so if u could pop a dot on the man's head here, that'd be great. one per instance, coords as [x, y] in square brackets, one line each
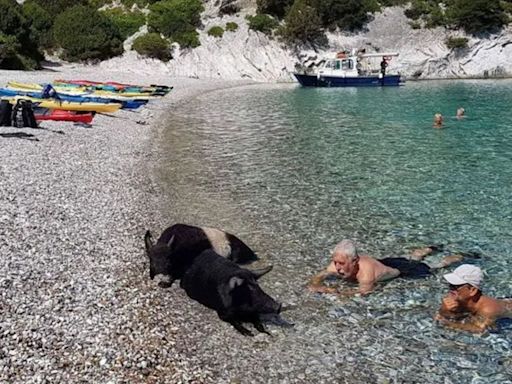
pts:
[345, 258]
[465, 282]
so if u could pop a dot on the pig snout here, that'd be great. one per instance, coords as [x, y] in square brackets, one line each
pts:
[269, 305]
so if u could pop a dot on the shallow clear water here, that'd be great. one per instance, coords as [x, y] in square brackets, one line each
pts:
[292, 171]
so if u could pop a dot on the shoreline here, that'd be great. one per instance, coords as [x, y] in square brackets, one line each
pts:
[76, 298]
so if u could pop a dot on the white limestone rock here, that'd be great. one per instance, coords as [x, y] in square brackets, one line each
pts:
[246, 54]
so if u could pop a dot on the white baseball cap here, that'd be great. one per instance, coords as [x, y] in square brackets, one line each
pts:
[465, 274]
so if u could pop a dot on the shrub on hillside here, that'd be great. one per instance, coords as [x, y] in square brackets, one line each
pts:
[428, 11]
[216, 31]
[177, 19]
[476, 16]
[345, 14]
[456, 42]
[86, 34]
[390, 3]
[128, 4]
[303, 25]
[55, 7]
[277, 8]
[152, 45]
[262, 23]
[187, 39]
[231, 26]
[126, 21]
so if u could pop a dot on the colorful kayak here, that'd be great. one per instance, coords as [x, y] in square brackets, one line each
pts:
[60, 115]
[16, 85]
[69, 105]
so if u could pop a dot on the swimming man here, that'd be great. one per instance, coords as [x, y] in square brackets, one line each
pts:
[367, 271]
[465, 307]
[438, 120]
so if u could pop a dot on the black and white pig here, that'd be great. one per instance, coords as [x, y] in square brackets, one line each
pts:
[232, 291]
[179, 244]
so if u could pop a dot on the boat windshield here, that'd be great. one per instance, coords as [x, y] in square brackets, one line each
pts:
[340, 64]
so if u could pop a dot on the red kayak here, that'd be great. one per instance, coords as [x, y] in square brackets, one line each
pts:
[61, 115]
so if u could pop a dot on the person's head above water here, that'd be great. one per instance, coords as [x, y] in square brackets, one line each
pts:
[460, 112]
[465, 282]
[438, 120]
[345, 258]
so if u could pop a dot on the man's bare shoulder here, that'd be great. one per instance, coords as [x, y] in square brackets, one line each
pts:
[494, 308]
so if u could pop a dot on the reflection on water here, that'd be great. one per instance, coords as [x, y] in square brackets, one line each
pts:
[293, 171]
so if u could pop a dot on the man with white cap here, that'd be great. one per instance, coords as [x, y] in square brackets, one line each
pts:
[465, 301]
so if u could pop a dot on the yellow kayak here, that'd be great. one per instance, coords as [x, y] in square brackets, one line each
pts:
[69, 105]
[79, 91]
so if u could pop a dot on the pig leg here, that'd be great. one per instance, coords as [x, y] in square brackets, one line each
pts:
[240, 328]
[259, 326]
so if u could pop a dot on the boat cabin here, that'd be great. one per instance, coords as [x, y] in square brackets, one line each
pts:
[343, 65]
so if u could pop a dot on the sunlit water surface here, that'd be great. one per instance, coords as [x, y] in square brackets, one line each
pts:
[292, 171]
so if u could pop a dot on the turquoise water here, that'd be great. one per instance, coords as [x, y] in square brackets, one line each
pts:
[292, 171]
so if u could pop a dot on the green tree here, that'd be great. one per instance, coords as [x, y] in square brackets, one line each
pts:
[128, 22]
[346, 14]
[20, 48]
[9, 56]
[303, 25]
[478, 15]
[177, 19]
[40, 23]
[275, 8]
[262, 23]
[86, 34]
[55, 7]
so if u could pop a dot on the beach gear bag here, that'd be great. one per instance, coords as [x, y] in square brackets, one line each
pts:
[5, 113]
[23, 114]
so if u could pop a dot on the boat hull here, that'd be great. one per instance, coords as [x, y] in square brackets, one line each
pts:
[360, 81]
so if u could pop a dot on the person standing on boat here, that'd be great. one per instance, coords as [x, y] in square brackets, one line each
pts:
[367, 271]
[465, 307]
[383, 66]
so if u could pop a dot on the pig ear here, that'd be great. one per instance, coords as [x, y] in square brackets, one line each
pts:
[234, 282]
[226, 290]
[257, 273]
[170, 242]
[148, 240]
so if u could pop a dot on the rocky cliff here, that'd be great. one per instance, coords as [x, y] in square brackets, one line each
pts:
[246, 54]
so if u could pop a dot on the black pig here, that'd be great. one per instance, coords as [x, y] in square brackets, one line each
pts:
[179, 244]
[232, 291]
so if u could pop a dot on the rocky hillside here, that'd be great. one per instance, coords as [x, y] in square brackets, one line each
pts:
[246, 54]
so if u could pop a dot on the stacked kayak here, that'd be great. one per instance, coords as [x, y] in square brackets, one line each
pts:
[125, 102]
[155, 90]
[79, 100]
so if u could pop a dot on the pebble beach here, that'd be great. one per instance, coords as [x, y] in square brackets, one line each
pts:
[76, 302]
